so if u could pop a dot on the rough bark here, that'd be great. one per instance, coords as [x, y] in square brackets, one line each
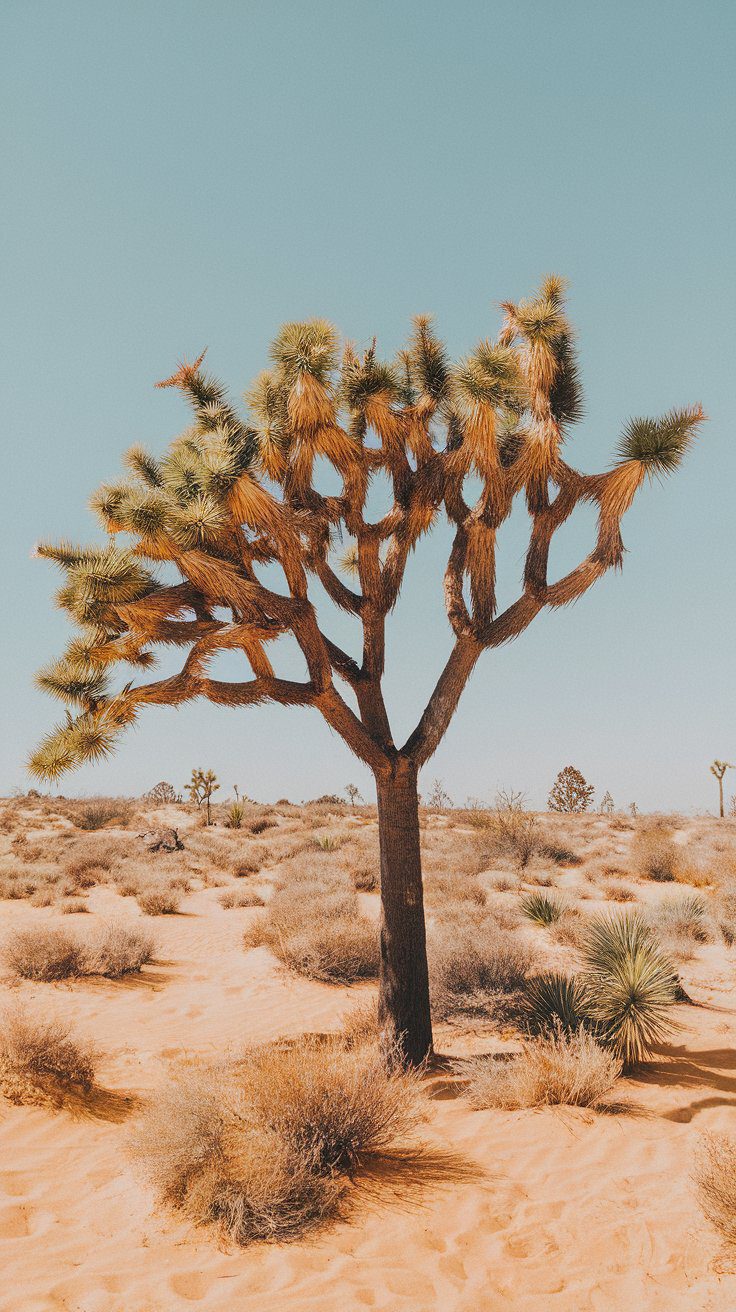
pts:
[404, 1011]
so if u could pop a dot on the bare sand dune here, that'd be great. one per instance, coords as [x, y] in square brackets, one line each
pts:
[559, 1209]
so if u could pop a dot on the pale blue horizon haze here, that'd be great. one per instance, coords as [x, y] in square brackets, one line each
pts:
[180, 176]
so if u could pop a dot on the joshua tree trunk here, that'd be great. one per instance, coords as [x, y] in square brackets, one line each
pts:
[720, 795]
[404, 985]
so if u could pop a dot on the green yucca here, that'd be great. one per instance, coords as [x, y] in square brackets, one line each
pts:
[555, 1001]
[541, 908]
[631, 985]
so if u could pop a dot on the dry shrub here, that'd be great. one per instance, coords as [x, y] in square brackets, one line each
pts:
[615, 890]
[725, 913]
[360, 1026]
[443, 890]
[119, 950]
[41, 1056]
[563, 1069]
[260, 825]
[43, 897]
[571, 928]
[262, 1149]
[472, 960]
[44, 953]
[655, 855]
[686, 917]
[314, 926]
[74, 907]
[97, 812]
[159, 901]
[249, 864]
[715, 1176]
[240, 897]
[334, 1107]
[49, 953]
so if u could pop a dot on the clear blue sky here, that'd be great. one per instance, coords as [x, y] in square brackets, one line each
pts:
[180, 175]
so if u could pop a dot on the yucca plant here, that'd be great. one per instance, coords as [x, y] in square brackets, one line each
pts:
[233, 495]
[541, 908]
[234, 817]
[631, 986]
[555, 1001]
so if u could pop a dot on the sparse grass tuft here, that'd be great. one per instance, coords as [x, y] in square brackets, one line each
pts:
[240, 897]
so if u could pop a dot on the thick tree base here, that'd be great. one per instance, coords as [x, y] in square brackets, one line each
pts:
[404, 1010]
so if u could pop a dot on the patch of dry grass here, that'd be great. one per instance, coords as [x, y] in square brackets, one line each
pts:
[48, 953]
[41, 1059]
[240, 897]
[715, 1176]
[473, 960]
[313, 924]
[159, 901]
[562, 1069]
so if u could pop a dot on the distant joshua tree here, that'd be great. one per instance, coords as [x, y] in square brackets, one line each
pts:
[719, 768]
[633, 810]
[353, 793]
[570, 792]
[607, 805]
[233, 496]
[203, 784]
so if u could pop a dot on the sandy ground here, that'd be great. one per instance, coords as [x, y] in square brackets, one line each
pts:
[531, 1210]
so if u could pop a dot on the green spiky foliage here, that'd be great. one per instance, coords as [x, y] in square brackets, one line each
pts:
[631, 985]
[556, 1002]
[660, 444]
[193, 529]
[541, 908]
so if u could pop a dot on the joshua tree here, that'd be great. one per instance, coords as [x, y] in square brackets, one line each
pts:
[718, 769]
[570, 792]
[203, 785]
[235, 496]
[607, 804]
[353, 793]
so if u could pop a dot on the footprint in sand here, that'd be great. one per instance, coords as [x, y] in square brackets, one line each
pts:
[191, 1285]
[15, 1221]
[14, 1184]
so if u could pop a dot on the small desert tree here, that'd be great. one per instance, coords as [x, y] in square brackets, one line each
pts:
[353, 793]
[236, 501]
[718, 769]
[570, 792]
[162, 792]
[201, 787]
[607, 806]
